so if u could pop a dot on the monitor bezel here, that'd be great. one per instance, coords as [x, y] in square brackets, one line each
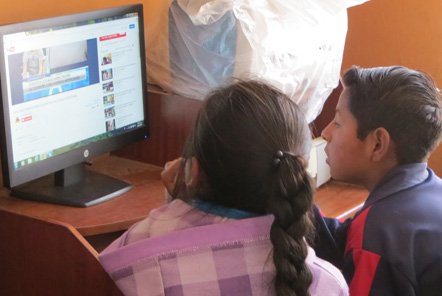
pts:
[12, 177]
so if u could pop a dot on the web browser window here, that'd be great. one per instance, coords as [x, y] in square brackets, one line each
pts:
[86, 73]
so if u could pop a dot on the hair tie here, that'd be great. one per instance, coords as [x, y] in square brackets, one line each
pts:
[279, 155]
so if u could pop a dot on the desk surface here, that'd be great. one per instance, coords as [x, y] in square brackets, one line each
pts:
[120, 213]
[340, 200]
[110, 216]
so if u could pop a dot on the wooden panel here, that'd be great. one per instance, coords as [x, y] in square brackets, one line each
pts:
[395, 32]
[44, 257]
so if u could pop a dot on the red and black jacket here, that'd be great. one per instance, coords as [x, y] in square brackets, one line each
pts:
[393, 245]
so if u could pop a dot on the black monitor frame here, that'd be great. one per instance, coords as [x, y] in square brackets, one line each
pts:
[65, 174]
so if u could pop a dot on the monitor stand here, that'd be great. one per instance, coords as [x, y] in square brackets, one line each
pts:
[74, 186]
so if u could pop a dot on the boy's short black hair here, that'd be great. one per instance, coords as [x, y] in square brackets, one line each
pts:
[403, 101]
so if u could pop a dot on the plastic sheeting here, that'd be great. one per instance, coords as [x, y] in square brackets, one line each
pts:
[195, 45]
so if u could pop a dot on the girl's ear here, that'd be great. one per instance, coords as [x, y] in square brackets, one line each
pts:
[192, 173]
[383, 147]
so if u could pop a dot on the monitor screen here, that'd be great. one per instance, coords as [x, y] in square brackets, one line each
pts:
[72, 87]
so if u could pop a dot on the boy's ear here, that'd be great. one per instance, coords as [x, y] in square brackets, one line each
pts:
[192, 174]
[383, 146]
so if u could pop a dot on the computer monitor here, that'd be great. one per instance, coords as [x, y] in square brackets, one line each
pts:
[72, 87]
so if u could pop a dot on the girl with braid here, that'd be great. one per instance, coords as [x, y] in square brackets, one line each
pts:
[237, 221]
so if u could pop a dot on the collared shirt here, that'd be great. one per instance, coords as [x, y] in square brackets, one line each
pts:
[222, 211]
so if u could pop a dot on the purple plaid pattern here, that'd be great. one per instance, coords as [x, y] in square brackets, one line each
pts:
[214, 258]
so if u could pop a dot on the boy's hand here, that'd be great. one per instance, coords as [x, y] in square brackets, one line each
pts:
[169, 174]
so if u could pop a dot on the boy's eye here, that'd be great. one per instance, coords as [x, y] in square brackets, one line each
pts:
[335, 123]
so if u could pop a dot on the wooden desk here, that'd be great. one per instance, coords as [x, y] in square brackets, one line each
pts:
[118, 214]
[340, 200]
[110, 216]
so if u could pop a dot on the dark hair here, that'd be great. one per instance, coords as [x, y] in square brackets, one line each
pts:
[236, 140]
[405, 102]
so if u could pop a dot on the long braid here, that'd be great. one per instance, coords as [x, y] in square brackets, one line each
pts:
[291, 207]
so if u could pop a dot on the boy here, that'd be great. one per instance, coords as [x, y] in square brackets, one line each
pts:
[387, 122]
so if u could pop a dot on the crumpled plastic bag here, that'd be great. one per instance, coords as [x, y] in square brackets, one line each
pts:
[297, 45]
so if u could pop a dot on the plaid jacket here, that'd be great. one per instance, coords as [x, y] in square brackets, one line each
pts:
[180, 250]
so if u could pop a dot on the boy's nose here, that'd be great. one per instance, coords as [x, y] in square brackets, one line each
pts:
[326, 132]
